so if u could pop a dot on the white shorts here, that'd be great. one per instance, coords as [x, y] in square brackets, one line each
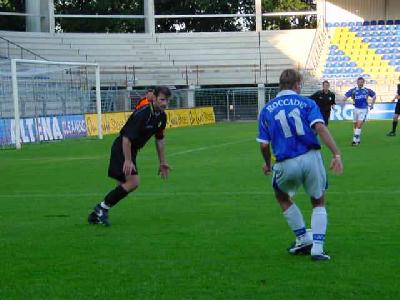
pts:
[307, 170]
[360, 114]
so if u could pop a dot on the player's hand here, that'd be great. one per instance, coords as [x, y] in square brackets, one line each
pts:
[266, 169]
[371, 106]
[336, 165]
[128, 167]
[163, 170]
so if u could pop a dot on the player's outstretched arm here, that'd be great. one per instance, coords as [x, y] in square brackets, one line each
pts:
[164, 168]
[126, 149]
[373, 102]
[336, 163]
[266, 153]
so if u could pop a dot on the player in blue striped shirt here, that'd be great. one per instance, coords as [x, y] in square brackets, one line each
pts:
[289, 124]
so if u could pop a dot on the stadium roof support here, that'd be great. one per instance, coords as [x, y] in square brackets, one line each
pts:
[150, 25]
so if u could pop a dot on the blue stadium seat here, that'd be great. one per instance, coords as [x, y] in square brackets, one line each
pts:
[397, 22]
[366, 23]
[346, 58]
[373, 40]
[359, 23]
[344, 24]
[336, 24]
[387, 56]
[398, 69]
[389, 22]
[374, 22]
[381, 22]
[329, 25]
[352, 64]
[393, 62]
[373, 45]
[366, 40]
[333, 47]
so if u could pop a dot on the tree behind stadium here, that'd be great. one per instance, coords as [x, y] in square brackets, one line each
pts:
[169, 7]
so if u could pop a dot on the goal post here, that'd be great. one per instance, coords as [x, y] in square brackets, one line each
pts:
[49, 88]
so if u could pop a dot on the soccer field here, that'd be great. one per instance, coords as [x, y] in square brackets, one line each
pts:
[211, 231]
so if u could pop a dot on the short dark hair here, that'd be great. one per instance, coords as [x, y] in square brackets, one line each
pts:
[162, 90]
[360, 78]
[150, 89]
[325, 81]
[288, 79]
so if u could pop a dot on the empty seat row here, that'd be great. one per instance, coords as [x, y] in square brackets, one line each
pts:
[336, 64]
[391, 56]
[344, 75]
[378, 27]
[343, 70]
[389, 33]
[388, 51]
[384, 45]
[365, 23]
[381, 39]
[338, 58]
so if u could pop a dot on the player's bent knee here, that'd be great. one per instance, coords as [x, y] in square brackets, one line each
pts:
[131, 183]
[318, 201]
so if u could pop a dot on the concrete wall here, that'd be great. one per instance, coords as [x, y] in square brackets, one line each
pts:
[359, 10]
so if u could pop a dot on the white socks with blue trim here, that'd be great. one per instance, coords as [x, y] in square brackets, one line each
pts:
[296, 222]
[319, 222]
[357, 135]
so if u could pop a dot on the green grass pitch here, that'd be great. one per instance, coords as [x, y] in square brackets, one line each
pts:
[211, 231]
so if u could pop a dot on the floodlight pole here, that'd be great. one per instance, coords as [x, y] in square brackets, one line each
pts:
[17, 130]
[98, 103]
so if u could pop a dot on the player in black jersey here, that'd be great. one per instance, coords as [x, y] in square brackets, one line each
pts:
[145, 122]
[396, 112]
[325, 100]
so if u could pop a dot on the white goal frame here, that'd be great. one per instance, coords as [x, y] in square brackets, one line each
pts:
[14, 80]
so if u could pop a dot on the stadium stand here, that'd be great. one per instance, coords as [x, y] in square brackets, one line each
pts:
[370, 49]
[175, 59]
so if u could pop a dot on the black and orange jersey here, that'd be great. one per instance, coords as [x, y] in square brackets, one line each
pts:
[142, 102]
[143, 124]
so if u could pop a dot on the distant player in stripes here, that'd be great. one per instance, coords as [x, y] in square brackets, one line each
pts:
[146, 121]
[360, 96]
[396, 112]
[290, 123]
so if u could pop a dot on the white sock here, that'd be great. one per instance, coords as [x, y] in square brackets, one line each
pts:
[104, 205]
[319, 221]
[296, 221]
[357, 135]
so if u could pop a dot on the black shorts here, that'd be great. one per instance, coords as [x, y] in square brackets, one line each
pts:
[115, 167]
[397, 109]
[326, 115]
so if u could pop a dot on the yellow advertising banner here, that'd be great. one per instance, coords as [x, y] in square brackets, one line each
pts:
[113, 122]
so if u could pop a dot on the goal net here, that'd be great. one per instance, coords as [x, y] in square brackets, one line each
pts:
[43, 101]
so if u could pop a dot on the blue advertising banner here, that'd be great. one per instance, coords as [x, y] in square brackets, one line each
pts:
[43, 129]
[381, 111]
[73, 126]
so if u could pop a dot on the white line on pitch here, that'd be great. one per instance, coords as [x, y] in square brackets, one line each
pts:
[72, 158]
[152, 194]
